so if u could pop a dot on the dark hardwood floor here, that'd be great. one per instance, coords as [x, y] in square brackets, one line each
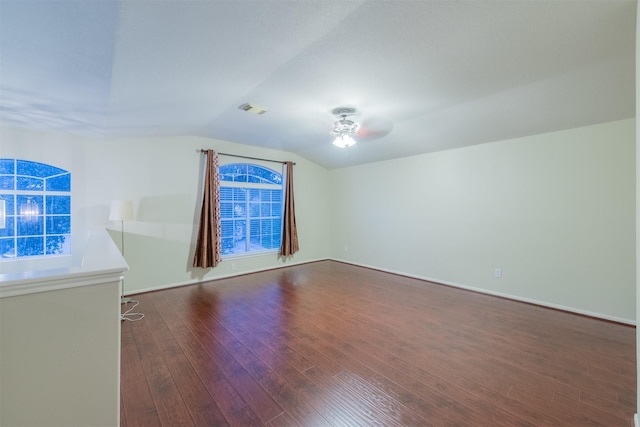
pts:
[330, 344]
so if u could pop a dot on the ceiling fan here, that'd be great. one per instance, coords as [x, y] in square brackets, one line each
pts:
[346, 127]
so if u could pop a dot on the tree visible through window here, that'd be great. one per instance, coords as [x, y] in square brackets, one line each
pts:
[250, 208]
[35, 209]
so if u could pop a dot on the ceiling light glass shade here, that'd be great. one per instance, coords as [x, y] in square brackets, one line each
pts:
[344, 141]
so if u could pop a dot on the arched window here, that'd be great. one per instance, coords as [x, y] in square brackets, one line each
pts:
[35, 209]
[250, 208]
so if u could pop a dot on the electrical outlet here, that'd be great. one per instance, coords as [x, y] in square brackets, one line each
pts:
[346, 248]
[233, 266]
[497, 273]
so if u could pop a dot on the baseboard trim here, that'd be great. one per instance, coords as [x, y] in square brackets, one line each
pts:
[499, 294]
[400, 273]
[224, 276]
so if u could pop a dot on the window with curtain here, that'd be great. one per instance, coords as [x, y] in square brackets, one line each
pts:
[35, 209]
[250, 209]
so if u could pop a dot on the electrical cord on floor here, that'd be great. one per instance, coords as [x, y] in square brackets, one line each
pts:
[132, 317]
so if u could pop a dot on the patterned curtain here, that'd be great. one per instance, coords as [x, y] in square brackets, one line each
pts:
[208, 246]
[289, 231]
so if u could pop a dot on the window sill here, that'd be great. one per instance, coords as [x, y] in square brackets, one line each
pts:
[249, 255]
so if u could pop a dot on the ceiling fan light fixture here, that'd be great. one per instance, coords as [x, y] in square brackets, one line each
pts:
[344, 129]
[344, 141]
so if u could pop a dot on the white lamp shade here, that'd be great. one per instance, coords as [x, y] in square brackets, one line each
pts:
[121, 210]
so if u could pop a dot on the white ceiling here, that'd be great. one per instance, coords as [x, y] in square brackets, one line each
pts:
[423, 75]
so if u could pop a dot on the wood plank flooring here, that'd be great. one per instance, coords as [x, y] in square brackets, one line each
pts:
[331, 344]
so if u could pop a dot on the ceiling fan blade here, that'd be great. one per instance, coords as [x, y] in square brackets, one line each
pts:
[374, 128]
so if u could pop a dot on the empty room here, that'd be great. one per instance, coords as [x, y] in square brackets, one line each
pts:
[318, 213]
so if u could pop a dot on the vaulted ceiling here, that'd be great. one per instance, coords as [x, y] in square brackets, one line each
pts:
[422, 75]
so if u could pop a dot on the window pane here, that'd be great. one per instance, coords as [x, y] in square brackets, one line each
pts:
[7, 248]
[29, 206]
[59, 183]
[227, 245]
[41, 170]
[30, 226]
[59, 204]
[254, 210]
[268, 175]
[239, 194]
[254, 194]
[226, 228]
[30, 184]
[7, 231]
[239, 210]
[58, 224]
[226, 193]
[226, 210]
[9, 203]
[254, 227]
[265, 209]
[254, 179]
[240, 177]
[7, 182]
[239, 236]
[30, 246]
[7, 166]
[239, 229]
[254, 171]
[227, 241]
[240, 169]
[58, 245]
[276, 226]
[233, 172]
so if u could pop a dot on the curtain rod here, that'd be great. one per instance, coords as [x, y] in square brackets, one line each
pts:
[247, 157]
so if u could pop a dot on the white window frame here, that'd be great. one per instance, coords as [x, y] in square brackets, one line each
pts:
[248, 186]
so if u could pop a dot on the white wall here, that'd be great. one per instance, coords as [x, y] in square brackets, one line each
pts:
[556, 212]
[60, 363]
[163, 178]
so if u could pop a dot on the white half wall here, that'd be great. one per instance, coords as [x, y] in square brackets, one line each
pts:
[554, 212]
[60, 363]
[162, 176]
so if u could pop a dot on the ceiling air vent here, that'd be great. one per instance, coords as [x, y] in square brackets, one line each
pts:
[253, 108]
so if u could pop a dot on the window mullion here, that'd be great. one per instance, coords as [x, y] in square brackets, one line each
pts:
[247, 239]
